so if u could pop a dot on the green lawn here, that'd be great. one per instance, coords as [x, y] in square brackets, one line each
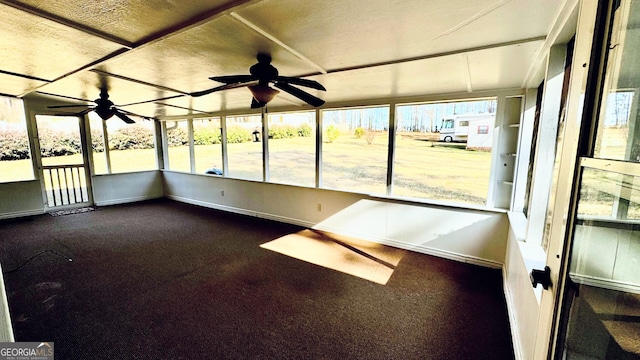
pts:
[423, 168]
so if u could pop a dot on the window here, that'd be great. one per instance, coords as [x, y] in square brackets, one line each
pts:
[604, 194]
[603, 265]
[292, 148]
[615, 138]
[207, 146]
[15, 153]
[425, 167]
[355, 149]
[131, 146]
[98, 151]
[178, 146]
[59, 138]
[244, 147]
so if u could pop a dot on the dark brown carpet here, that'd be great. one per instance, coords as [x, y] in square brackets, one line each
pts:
[165, 280]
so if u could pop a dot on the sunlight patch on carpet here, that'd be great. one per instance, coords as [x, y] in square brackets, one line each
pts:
[364, 259]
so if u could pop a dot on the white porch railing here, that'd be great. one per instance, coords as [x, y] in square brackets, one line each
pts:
[65, 184]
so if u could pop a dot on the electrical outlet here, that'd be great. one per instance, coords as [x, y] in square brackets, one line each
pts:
[221, 192]
[319, 207]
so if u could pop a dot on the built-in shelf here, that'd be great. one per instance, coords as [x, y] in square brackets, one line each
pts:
[506, 146]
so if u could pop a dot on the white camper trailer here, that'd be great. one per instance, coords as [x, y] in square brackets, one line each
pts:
[457, 128]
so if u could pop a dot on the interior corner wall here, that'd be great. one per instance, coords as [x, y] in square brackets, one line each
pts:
[23, 198]
[473, 236]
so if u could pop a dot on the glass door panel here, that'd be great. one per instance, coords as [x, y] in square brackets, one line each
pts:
[604, 314]
[63, 168]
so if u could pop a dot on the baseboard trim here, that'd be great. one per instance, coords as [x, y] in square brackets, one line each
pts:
[240, 211]
[125, 200]
[22, 213]
[209, 205]
[423, 249]
[287, 220]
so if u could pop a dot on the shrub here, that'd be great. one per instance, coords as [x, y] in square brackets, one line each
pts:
[97, 142]
[177, 137]
[131, 137]
[207, 136]
[282, 132]
[359, 132]
[304, 130]
[14, 145]
[238, 134]
[56, 143]
[332, 133]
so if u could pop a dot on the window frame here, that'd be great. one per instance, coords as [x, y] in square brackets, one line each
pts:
[30, 143]
[392, 104]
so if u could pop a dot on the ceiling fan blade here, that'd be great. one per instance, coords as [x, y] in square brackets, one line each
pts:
[223, 87]
[85, 111]
[65, 114]
[302, 82]
[234, 79]
[66, 106]
[129, 113]
[300, 94]
[123, 117]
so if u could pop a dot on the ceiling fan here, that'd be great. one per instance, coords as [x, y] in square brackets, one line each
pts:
[104, 108]
[261, 75]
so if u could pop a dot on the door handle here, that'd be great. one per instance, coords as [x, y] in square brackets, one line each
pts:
[542, 277]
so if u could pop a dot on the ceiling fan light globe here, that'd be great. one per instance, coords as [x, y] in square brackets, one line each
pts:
[263, 93]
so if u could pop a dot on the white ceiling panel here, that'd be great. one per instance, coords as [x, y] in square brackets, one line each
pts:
[15, 86]
[44, 49]
[122, 18]
[503, 66]
[430, 76]
[358, 49]
[338, 34]
[501, 22]
[186, 61]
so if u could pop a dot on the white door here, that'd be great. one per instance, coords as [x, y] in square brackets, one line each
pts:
[63, 167]
[556, 219]
[590, 311]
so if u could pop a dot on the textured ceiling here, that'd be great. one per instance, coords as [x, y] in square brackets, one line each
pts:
[149, 50]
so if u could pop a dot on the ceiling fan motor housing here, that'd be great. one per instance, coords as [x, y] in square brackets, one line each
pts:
[105, 108]
[264, 72]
